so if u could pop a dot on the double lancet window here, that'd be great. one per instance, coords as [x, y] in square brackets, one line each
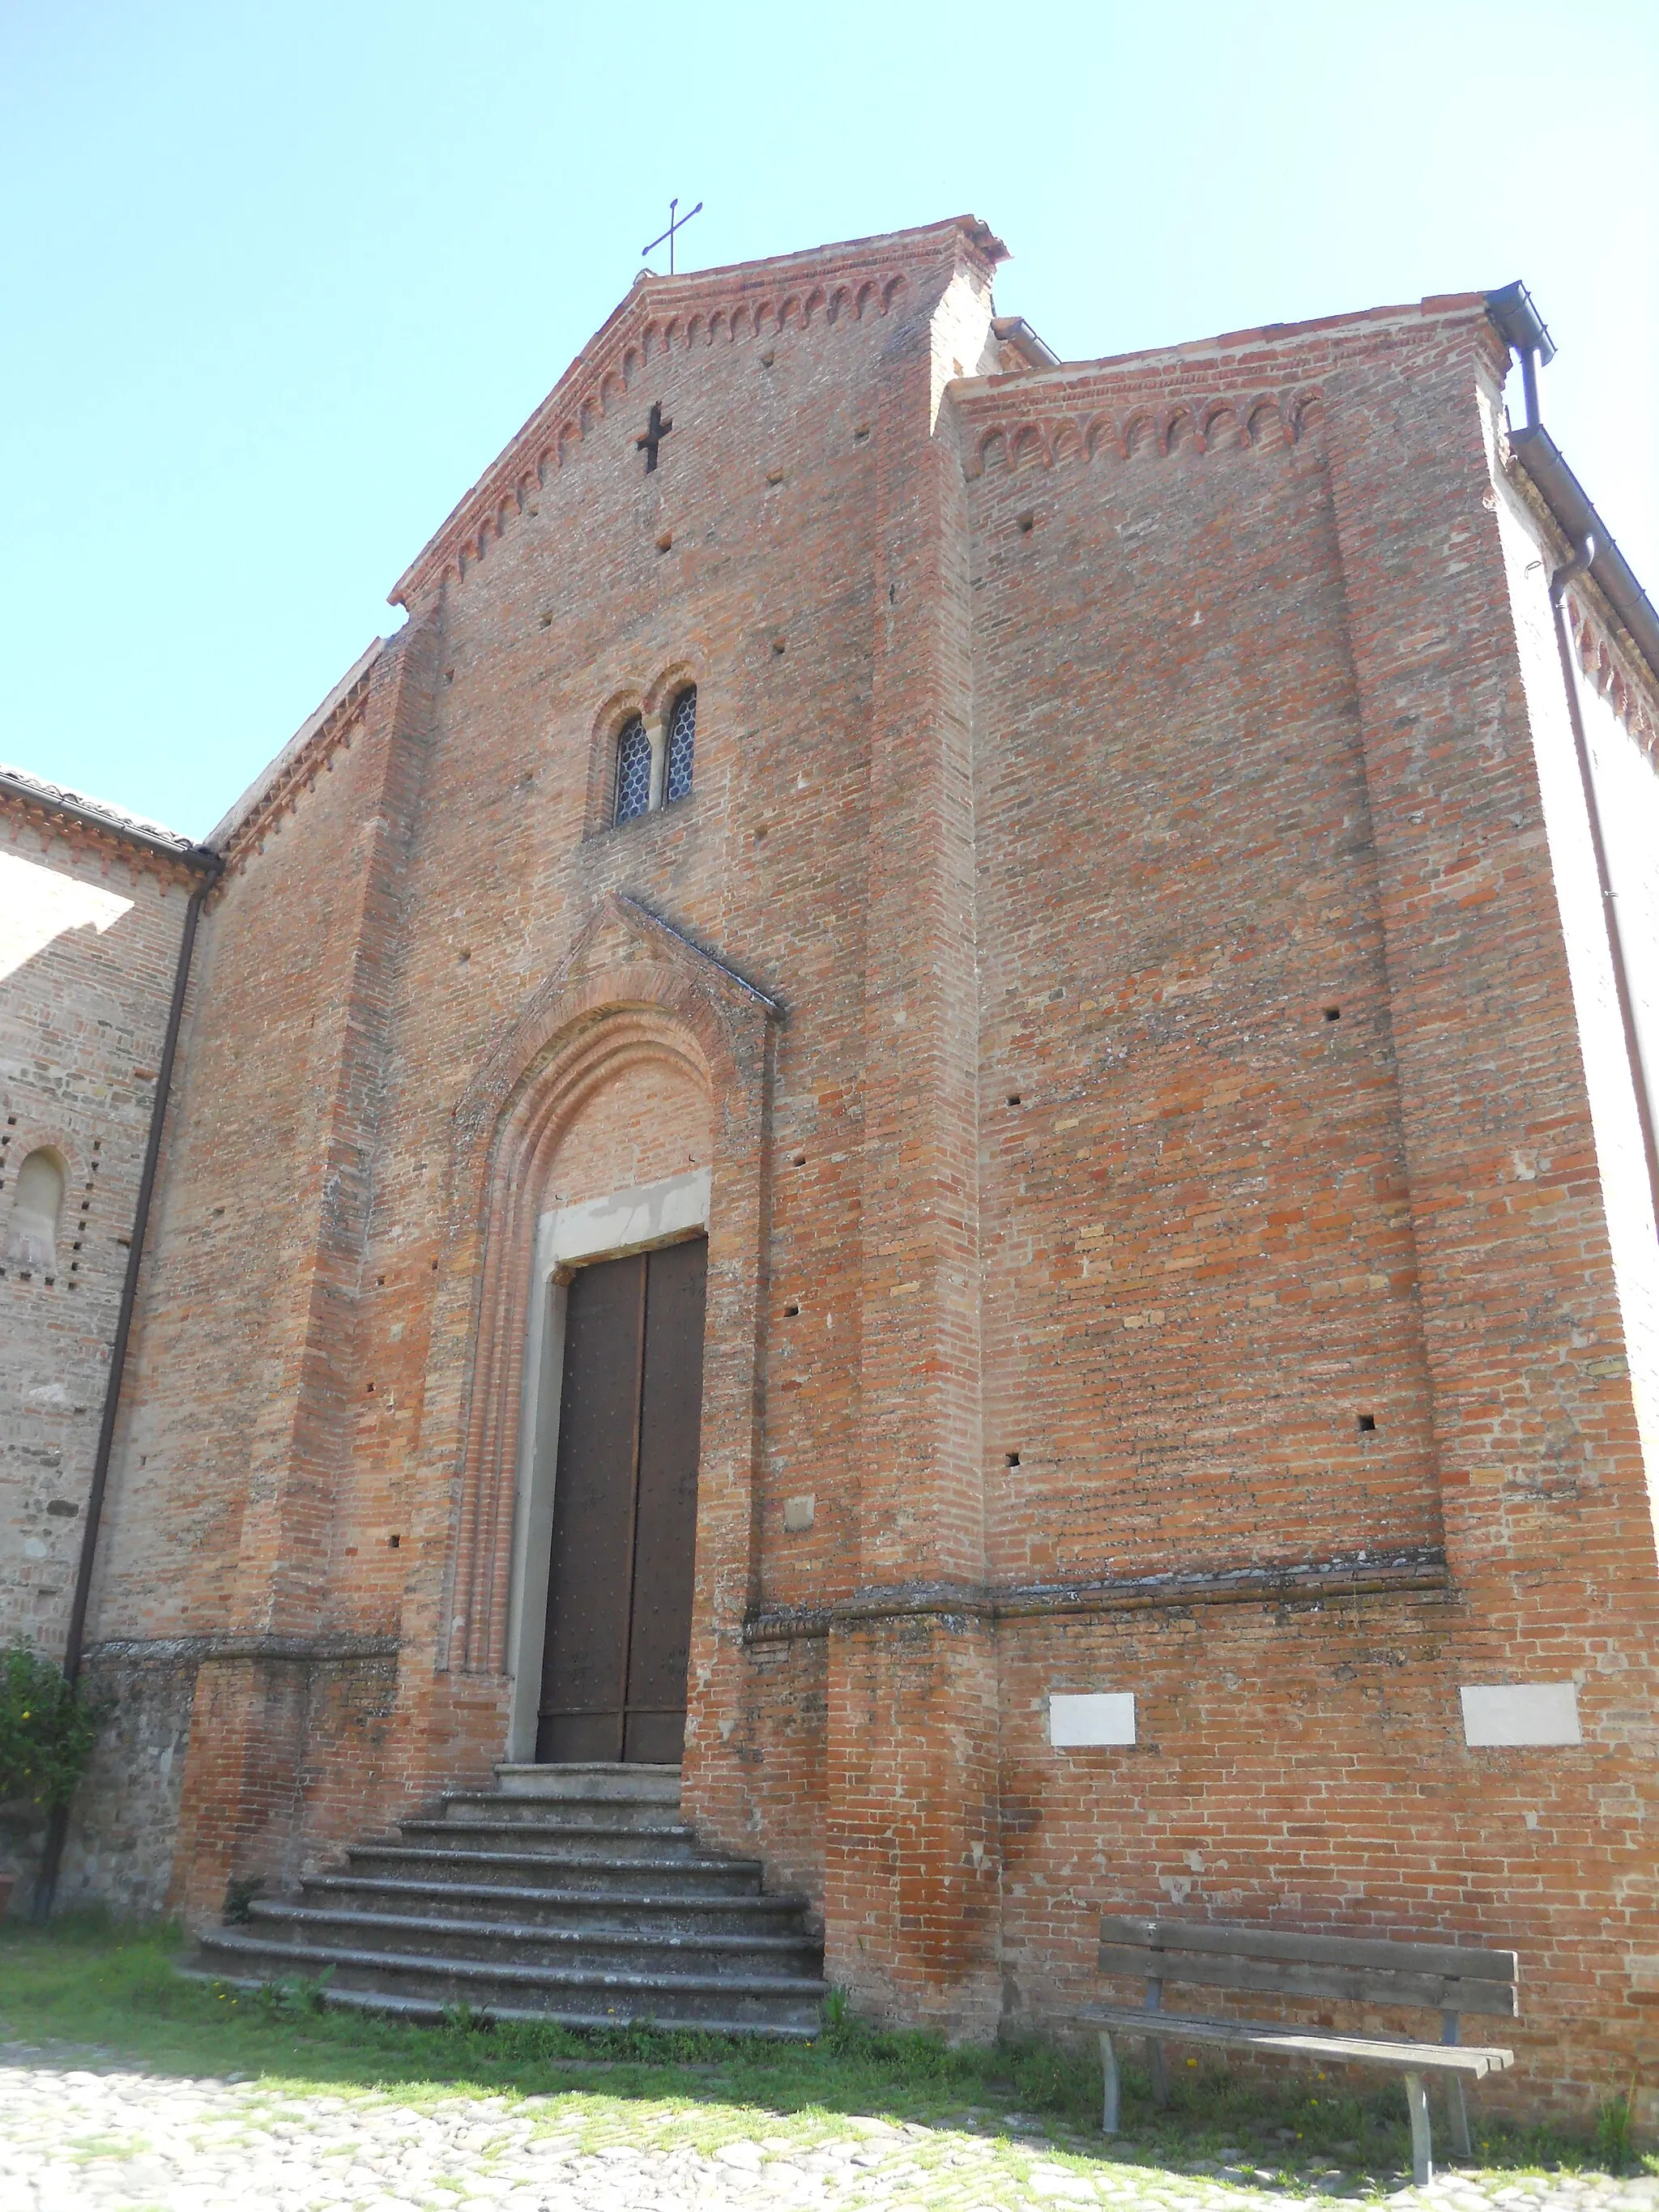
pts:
[654, 757]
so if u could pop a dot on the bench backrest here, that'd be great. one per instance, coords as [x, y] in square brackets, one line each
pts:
[1367, 1971]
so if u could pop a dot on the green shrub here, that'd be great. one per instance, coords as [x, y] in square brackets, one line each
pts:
[1613, 2123]
[239, 1893]
[293, 1997]
[47, 1728]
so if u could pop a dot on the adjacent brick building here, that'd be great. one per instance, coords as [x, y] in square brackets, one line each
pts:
[1112, 957]
[92, 908]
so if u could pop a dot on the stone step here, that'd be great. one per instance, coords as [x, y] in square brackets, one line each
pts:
[430, 2011]
[597, 1949]
[619, 1784]
[616, 1816]
[571, 1894]
[666, 1910]
[736, 2001]
[715, 1878]
[550, 1839]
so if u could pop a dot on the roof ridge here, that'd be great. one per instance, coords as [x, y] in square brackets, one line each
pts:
[977, 233]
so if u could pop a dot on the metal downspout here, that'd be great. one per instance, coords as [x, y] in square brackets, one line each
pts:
[1582, 556]
[57, 1826]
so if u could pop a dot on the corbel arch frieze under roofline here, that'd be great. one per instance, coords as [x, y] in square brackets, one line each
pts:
[841, 284]
[633, 989]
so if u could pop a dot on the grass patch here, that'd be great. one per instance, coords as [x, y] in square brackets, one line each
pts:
[87, 1982]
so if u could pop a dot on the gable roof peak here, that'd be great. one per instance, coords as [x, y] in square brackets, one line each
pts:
[869, 271]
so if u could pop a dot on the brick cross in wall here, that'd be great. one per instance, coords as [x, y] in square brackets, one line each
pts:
[655, 431]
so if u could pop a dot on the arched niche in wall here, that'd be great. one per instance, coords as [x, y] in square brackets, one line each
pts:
[31, 1245]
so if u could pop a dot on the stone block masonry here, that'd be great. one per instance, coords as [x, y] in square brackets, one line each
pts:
[1122, 968]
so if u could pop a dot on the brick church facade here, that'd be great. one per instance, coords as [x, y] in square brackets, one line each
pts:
[1075, 879]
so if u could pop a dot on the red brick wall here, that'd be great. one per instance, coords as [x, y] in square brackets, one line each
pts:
[1070, 746]
[221, 1515]
[643, 1124]
[1252, 719]
[1198, 1265]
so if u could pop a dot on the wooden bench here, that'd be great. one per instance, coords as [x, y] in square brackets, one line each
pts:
[1451, 1980]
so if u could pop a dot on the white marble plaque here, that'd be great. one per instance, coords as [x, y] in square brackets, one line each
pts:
[1098, 1717]
[1521, 1712]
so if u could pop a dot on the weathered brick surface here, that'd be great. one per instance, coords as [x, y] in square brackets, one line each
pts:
[89, 937]
[1195, 1216]
[1163, 1148]
[89, 929]
[1239, 1225]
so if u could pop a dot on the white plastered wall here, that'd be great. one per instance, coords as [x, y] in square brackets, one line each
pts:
[1627, 791]
[567, 1237]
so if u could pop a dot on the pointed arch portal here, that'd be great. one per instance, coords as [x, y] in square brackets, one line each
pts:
[610, 1421]
[607, 1189]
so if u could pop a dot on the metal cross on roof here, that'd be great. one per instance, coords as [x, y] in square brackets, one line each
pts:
[676, 221]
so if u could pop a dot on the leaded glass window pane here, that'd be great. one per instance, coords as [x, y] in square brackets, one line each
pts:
[682, 742]
[633, 771]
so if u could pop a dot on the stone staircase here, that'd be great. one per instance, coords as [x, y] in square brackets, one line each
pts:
[568, 1894]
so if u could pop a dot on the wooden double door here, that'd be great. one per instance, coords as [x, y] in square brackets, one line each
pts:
[625, 1510]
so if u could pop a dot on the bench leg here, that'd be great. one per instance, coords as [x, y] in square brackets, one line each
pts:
[1417, 2104]
[1459, 2114]
[1108, 2072]
[1155, 2068]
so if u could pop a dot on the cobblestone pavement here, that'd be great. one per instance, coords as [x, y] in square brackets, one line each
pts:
[75, 2135]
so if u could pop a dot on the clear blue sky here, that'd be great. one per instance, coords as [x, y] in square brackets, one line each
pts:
[279, 281]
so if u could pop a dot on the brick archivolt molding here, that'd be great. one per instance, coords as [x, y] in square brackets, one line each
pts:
[835, 288]
[1009, 436]
[633, 991]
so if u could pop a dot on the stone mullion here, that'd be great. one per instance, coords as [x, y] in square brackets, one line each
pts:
[656, 729]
